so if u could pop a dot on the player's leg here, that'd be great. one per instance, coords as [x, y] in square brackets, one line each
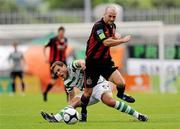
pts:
[50, 85]
[58, 117]
[20, 74]
[110, 72]
[103, 92]
[92, 100]
[74, 103]
[13, 78]
[119, 81]
[84, 102]
[48, 88]
[107, 99]
[64, 87]
[91, 78]
[66, 94]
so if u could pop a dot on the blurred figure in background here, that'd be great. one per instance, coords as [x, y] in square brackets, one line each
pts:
[18, 61]
[170, 78]
[58, 46]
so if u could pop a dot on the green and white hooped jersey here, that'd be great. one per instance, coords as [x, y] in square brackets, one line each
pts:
[76, 77]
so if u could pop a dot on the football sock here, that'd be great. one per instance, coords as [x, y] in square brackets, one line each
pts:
[120, 89]
[23, 86]
[13, 87]
[123, 107]
[49, 87]
[84, 101]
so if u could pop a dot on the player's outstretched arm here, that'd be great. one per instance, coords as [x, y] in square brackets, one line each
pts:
[117, 36]
[71, 96]
[72, 100]
[110, 42]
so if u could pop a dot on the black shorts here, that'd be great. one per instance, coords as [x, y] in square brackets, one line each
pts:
[15, 74]
[96, 68]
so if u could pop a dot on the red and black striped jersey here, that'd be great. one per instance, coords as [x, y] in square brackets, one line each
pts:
[57, 49]
[95, 48]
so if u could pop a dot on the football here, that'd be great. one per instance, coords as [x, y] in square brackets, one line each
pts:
[71, 116]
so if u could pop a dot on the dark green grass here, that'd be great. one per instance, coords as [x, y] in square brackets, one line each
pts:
[23, 112]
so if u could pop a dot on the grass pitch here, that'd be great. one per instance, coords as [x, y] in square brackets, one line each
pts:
[23, 112]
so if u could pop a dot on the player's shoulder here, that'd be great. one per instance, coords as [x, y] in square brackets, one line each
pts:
[53, 38]
[98, 24]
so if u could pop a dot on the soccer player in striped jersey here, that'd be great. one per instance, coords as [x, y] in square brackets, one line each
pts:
[98, 58]
[73, 76]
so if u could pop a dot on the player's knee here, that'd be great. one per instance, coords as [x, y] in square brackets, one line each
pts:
[121, 86]
[108, 100]
[110, 103]
[122, 83]
[87, 94]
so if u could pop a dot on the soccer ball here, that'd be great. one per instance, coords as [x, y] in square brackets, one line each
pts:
[71, 116]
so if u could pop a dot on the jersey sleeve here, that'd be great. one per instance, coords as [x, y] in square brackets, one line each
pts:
[69, 89]
[68, 86]
[49, 43]
[99, 32]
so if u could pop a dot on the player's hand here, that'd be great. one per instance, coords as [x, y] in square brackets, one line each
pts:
[82, 64]
[83, 67]
[118, 36]
[126, 38]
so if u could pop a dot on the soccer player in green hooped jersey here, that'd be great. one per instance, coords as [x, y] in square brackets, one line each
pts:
[73, 76]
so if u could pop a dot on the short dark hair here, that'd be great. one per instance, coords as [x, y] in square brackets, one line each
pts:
[61, 28]
[59, 63]
[15, 43]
